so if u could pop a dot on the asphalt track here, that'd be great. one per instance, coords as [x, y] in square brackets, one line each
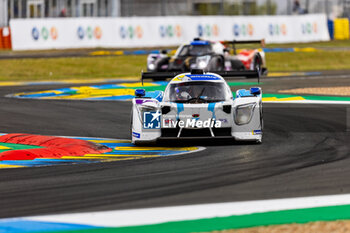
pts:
[305, 152]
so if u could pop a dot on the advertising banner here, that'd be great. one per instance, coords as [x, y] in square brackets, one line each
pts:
[131, 32]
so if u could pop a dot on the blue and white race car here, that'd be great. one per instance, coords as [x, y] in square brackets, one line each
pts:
[197, 105]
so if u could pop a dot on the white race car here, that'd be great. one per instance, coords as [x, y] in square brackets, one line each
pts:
[197, 105]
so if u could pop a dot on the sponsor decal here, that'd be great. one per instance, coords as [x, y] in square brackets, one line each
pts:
[223, 120]
[54, 33]
[151, 120]
[89, 32]
[243, 30]
[169, 31]
[200, 77]
[309, 28]
[98, 32]
[136, 135]
[277, 29]
[208, 30]
[80, 33]
[44, 33]
[191, 123]
[257, 132]
[35, 33]
[131, 32]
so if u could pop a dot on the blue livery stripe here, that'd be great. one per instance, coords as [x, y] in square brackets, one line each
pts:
[211, 108]
[136, 135]
[202, 77]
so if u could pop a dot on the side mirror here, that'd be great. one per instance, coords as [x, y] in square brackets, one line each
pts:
[140, 93]
[255, 91]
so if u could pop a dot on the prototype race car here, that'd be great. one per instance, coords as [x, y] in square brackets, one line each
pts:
[197, 105]
[209, 56]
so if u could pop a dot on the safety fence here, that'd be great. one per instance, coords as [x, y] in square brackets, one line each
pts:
[131, 32]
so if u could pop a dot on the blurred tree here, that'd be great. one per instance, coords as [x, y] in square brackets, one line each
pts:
[207, 8]
[232, 9]
[236, 8]
[269, 8]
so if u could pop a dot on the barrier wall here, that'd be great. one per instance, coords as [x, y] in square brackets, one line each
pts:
[162, 31]
[5, 38]
[341, 29]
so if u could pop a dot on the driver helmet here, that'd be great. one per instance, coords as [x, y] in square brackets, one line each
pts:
[183, 92]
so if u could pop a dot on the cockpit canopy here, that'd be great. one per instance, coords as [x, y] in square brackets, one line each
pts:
[197, 92]
[195, 50]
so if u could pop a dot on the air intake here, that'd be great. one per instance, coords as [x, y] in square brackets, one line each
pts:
[197, 71]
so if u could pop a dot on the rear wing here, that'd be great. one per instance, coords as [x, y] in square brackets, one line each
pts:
[161, 76]
[234, 42]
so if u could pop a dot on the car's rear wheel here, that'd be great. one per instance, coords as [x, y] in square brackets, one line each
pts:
[257, 64]
[216, 64]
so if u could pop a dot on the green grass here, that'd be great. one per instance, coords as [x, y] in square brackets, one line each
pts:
[326, 44]
[72, 68]
[132, 65]
[335, 44]
[308, 61]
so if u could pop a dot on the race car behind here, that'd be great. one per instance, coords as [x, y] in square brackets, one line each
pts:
[210, 56]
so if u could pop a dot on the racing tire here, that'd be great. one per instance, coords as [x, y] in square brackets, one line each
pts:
[216, 64]
[161, 63]
[257, 64]
[237, 65]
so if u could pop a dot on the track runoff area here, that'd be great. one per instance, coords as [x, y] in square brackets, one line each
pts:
[27, 150]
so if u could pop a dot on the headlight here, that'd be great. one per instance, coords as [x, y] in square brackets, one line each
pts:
[151, 66]
[202, 62]
[244, 113]
[143, 108]
[202, 65]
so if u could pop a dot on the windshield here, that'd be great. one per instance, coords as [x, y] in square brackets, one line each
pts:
[195, 50]
[196, 92]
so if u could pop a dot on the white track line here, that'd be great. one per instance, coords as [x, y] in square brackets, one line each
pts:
[134, 217]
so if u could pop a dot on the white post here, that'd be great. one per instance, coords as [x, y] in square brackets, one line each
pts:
[3, 13]
[43, 9]
[95, 8]
[12, 8]
[103, 8]
[28, 10]
[115, 8]
[57, 10]
[19, 7]
[50, 8]
[73, 8]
